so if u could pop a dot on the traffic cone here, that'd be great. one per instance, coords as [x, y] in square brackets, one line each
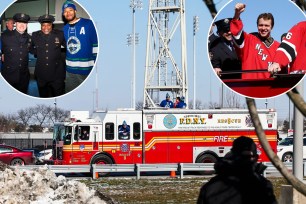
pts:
[172, 174]
[97, 175]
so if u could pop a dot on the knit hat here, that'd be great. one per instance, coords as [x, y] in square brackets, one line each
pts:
[68, 4]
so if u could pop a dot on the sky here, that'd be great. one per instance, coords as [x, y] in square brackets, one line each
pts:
[112, 73]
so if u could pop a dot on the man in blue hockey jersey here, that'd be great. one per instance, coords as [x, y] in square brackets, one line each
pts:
[167, 103]
[82, 46]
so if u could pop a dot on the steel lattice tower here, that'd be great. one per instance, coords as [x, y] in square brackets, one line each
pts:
[166, 71]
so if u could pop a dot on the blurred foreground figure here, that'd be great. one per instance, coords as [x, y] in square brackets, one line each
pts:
[238, 179]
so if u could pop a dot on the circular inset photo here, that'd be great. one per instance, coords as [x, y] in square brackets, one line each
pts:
[48, 47]
[257, 49]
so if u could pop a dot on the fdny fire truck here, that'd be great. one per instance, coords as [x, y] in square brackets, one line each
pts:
[156, 136]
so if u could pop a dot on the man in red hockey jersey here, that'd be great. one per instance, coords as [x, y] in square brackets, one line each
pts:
[291, 50]
[256, 50]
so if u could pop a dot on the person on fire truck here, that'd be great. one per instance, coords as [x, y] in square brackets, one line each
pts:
[167, 103]
[238, 178]
[124, 131]
[85, 135]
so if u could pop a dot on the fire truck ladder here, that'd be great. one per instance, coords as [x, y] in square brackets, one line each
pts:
[166, 27]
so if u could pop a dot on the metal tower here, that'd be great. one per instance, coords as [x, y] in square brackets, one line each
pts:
[166, 71]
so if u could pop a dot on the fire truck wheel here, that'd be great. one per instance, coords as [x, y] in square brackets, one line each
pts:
[102, 159]
[206, 158]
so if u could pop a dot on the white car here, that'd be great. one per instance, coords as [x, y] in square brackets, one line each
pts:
[285, 149]
[44, 155]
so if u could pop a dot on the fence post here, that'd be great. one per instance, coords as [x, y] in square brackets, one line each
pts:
[137, 172]
[181, 168]
[93, 170]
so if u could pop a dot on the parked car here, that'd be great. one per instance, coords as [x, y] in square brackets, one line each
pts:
[44, 155]
[34, 150]
[285, 149]
[13, 156]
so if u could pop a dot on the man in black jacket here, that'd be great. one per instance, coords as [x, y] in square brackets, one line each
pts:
[239, 179]
[223, 56]
[50, 66]
[15, 50]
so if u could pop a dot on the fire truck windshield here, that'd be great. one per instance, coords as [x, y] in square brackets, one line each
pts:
[62, 133]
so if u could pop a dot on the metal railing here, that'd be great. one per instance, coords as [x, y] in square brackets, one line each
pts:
[95, 169]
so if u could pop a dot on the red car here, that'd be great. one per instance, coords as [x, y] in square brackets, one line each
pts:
[14, 156]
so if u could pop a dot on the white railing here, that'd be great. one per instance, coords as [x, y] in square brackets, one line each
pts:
[95, 169]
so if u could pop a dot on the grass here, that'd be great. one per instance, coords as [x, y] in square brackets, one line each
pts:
[158, 190]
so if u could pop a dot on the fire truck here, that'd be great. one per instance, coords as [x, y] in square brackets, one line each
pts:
[156, 136]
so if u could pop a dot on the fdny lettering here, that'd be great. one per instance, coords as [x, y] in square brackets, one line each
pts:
[220, 138]
[82, 31]
[260, 52]
[193, 121]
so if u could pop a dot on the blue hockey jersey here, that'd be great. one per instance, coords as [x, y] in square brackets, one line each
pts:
[82, 46]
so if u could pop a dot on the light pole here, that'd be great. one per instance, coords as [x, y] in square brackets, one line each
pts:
[133, 39]
[195, 29]
[55, 110]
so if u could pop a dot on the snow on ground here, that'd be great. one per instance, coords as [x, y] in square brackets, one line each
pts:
[41, 186]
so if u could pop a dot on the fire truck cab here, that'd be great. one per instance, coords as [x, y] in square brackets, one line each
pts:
[156, 136]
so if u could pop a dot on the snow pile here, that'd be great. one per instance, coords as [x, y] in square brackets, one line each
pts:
[42, 186]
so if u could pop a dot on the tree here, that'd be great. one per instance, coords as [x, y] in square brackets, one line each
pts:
[58, 114]
[211, 7]
[41, 113]
[297, 100]
[285, 126]
[139, 105]
[301, 4]
[198, 104]
[214, 105]
[24, 116]
[301, 105]
[7, 123]
[232, 100]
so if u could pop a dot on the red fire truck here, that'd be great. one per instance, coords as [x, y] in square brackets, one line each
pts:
[156, 136]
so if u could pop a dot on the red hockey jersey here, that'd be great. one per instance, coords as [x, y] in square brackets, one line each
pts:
[253, 52]
[292, 48]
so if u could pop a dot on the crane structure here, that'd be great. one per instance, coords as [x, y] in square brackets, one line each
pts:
[165, 70]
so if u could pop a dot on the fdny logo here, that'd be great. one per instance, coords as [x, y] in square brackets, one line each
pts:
[125, 148]
[73, 45]
[170, 121]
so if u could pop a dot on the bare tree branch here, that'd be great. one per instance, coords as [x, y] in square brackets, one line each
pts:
[298, 100]
[211, 7]
[301, 4]
[296, 183]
